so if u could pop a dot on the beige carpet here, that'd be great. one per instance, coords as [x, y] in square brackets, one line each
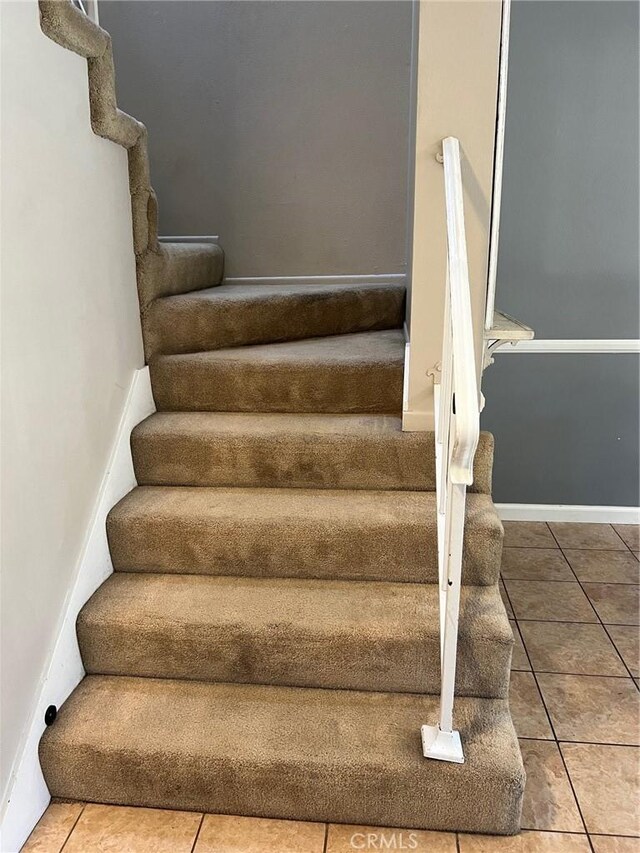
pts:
[325, 533]
[283, 752]
[340, 373]
[268, 644]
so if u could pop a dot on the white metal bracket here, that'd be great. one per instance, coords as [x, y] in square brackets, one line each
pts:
[489, 350]
[504, 330]
[443, 746]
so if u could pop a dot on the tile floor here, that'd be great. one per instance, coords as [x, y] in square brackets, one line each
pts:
[571, 591]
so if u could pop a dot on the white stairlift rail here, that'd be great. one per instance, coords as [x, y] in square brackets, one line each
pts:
[457, 419]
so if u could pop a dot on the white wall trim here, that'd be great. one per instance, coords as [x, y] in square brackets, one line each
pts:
[189, 239]
[27, 795]
[416, 421]
[412, 420]
[374, 278]
[569, 512]
[560, 346]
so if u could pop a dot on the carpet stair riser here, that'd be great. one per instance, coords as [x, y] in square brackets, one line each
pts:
[276, 451]
[345, 373]
[359, 535]
[239, 315]
[175, 268]
[373, 636]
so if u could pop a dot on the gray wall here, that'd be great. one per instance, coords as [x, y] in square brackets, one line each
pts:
[280, 126]
[283, 126]
[567, 425]
[566, 428]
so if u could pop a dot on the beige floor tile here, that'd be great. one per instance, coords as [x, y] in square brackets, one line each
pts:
[627, 640]
[616, 604]
[572, 534]
[535, 564]
[519, 659]
[529, 716]
[348, 839]
[615, 844]
[606, 781]
[528, 534]
[121, 829]
[526, 842]
[231, 834]
[592, 708]
[571, 647]
[553, 601]
[53, 828]
[630, 534]
[505, 601]
[604, 566]
[549, 803]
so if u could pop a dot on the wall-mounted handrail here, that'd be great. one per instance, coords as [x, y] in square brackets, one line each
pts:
[457, 404]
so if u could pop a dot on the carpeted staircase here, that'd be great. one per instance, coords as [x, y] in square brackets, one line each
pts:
[268, 644]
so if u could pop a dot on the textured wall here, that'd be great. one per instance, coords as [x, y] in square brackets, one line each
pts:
[70, 342]
[567, 425]
[280, 126]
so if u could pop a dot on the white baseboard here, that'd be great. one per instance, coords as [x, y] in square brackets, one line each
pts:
[189, 239]
[412, 420]
[568, 512]
[27, 795]
[376, 278]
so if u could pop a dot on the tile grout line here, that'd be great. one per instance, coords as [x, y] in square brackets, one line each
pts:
[514, 620]
[620, 538]
[583, 742]
[573, 621]
[533, 673]
[624, 663]
[554, 739]
[557, 547]
[75, 823]
[554, 580]
[557, 742]
[600, 524]
[584, 592]
[570, 567]
[553, 731]
[615, 835]
[195, 840]
[576, 674]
